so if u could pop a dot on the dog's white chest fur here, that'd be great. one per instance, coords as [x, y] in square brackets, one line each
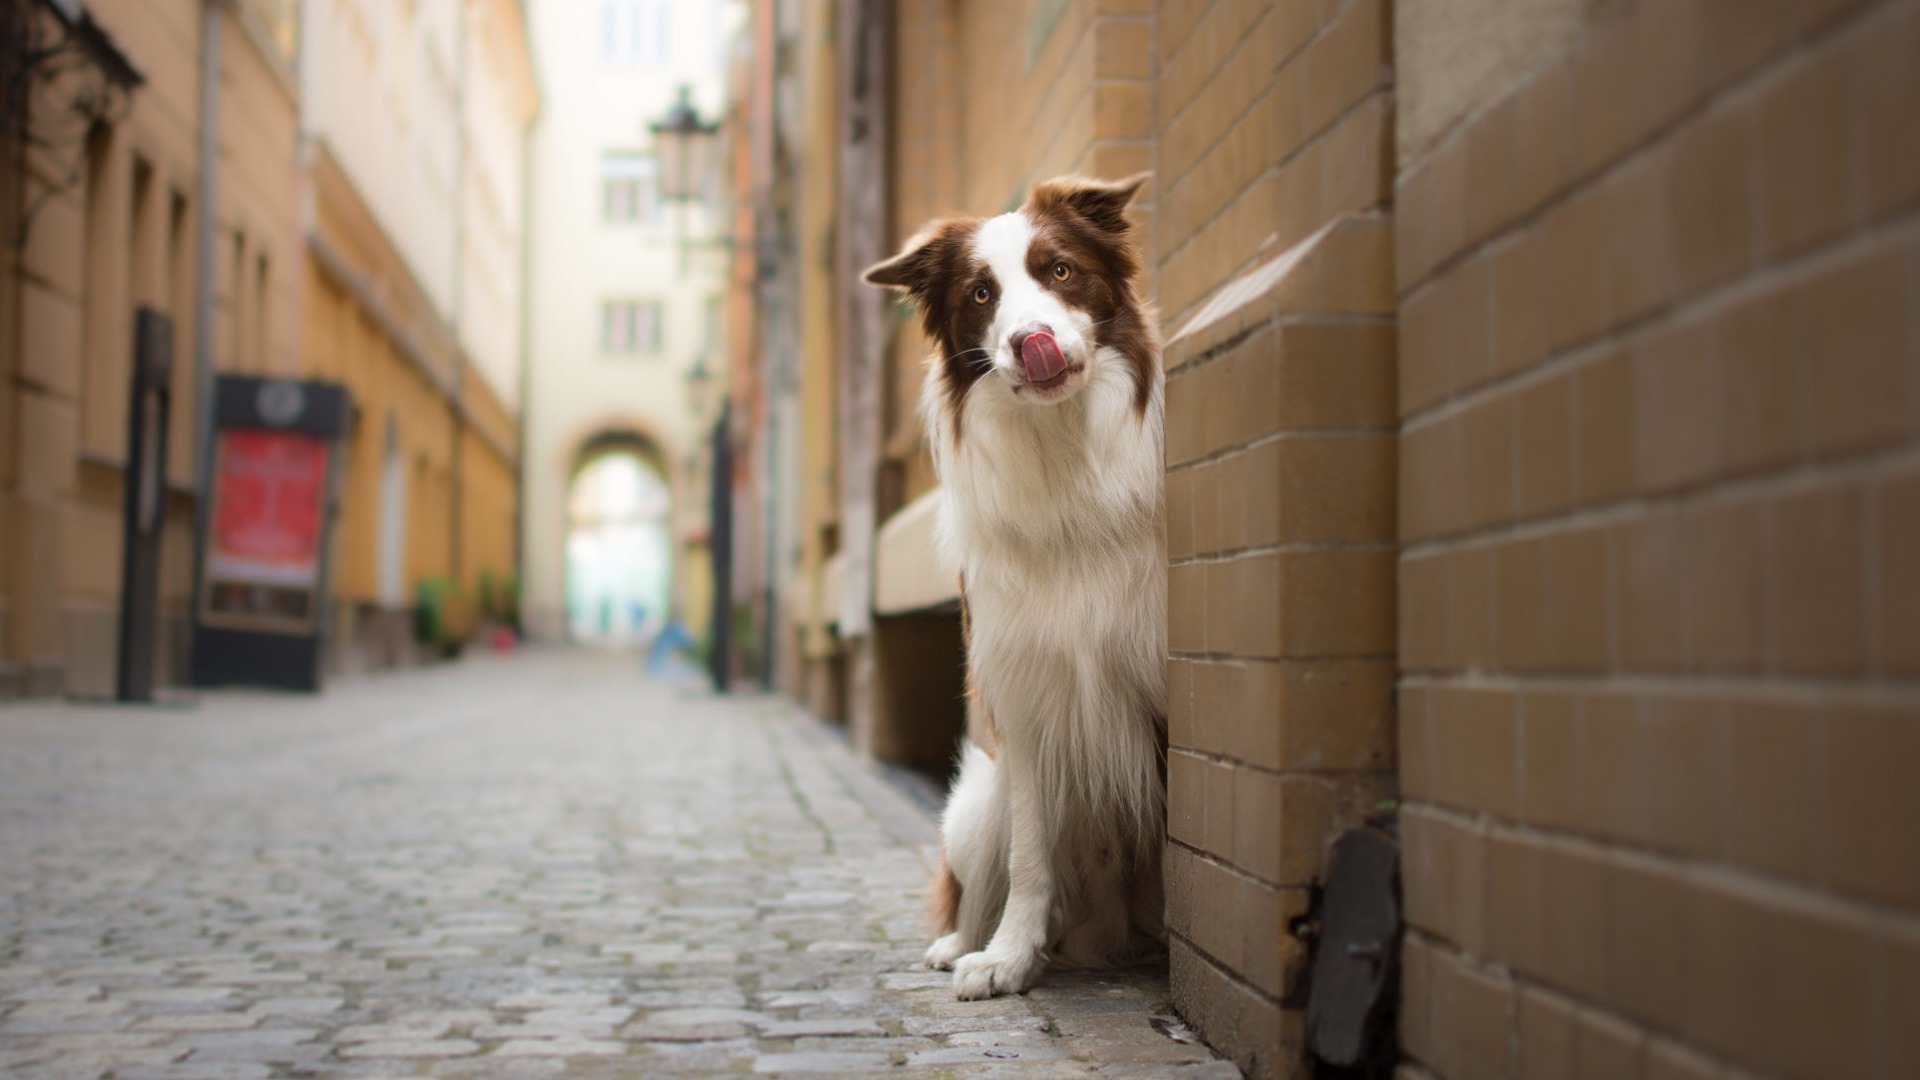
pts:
[1053, 514]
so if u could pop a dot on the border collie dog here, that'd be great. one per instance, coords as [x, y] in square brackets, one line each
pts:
[1043, 407]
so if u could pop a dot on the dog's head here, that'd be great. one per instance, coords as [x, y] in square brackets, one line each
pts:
[1038, 300]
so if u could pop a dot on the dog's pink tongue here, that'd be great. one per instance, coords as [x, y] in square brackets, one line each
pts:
[1042, 357]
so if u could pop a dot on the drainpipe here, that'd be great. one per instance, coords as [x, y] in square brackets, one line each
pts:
[212, 14]
[456, 462]
[525, 375]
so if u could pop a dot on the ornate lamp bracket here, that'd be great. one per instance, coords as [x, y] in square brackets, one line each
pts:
[66, 78]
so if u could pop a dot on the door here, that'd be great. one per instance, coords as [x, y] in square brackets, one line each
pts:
[393, 520]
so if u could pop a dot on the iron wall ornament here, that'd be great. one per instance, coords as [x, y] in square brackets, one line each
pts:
[66, 80]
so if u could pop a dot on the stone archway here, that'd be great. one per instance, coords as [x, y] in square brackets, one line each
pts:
[618, 549]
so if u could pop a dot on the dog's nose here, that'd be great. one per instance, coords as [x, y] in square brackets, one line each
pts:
[1021, 335]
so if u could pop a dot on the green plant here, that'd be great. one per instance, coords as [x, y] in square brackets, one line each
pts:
[444, 618]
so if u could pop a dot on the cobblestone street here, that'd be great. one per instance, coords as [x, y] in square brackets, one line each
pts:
[543, 866]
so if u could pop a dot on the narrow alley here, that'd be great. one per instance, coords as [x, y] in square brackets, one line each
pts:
[542, 866]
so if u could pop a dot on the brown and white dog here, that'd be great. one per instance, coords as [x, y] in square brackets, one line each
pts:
[1043, 406]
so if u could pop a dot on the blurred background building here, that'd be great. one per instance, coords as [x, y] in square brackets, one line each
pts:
[626, 319]
[135, 130]
[332, 189]
[1542, 417]
[416, 121]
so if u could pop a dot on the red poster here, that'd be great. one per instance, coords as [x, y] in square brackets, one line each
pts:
[269, 503]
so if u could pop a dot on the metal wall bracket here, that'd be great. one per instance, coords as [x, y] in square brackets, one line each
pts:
[1351, 992]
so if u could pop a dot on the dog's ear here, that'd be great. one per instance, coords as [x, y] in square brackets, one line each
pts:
[1101, 203]
[914, 268]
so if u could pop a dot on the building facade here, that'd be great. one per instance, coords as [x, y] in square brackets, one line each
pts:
[626, 315]
[1542, 409]
[415, 129]
[364, 165]
[157, 146]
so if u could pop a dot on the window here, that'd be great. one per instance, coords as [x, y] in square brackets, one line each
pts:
[635, 31]
[630, 327]
[630, 187]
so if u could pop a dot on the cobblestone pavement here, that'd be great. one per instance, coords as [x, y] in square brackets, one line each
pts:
[542, 866]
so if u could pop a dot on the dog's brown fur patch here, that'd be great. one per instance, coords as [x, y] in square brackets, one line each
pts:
[943, 897]
[982, 731]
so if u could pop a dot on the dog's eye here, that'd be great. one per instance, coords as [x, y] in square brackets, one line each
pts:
[1061, 271]
[982, 294]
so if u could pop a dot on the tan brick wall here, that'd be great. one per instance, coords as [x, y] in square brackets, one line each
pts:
[1660, 394]
[1273, 120]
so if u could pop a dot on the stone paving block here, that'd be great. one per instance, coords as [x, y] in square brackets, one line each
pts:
[220, 1021]
[411, 1048]
[1212, 1070]
[26, 992]
[298, 1007]
[954, 1025]
[494, 1068]
[1035, 1036]
[196, 1070]
[112, 1040]
[830, 1064]
[117, 1061]
[793, 1029]
[176, 995]
[649, 1032]
[560, 1048]
[542, 999]
[968, 1055]
[390, 1032]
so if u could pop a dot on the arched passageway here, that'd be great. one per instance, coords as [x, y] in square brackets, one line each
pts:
[619, 546]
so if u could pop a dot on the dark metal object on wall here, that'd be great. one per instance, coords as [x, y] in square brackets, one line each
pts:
[145, 503]
[1356, 962]
[720, 553]
[260, 604]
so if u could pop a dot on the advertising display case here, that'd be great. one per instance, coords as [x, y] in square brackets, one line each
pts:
[260, 603]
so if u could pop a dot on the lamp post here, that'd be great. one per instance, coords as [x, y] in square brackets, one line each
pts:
[700, 388]
[686, 144]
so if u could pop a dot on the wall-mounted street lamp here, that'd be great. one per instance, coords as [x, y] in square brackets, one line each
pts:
[685, 144]
[687, 147]
[701, 386]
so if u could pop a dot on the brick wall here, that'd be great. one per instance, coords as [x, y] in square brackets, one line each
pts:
[1659, 628]
[1543, 445]
[1273, 124]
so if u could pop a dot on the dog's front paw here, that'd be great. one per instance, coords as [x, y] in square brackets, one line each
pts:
[988, 974]
[942, 953]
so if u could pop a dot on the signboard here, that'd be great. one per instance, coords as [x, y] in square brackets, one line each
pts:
[262, 559]
[269, 507]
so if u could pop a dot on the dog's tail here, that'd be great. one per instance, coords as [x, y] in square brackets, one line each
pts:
[943, 897]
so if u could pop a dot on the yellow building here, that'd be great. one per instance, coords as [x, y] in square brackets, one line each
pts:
[110, 155]
[415, 119]
[364, 165]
